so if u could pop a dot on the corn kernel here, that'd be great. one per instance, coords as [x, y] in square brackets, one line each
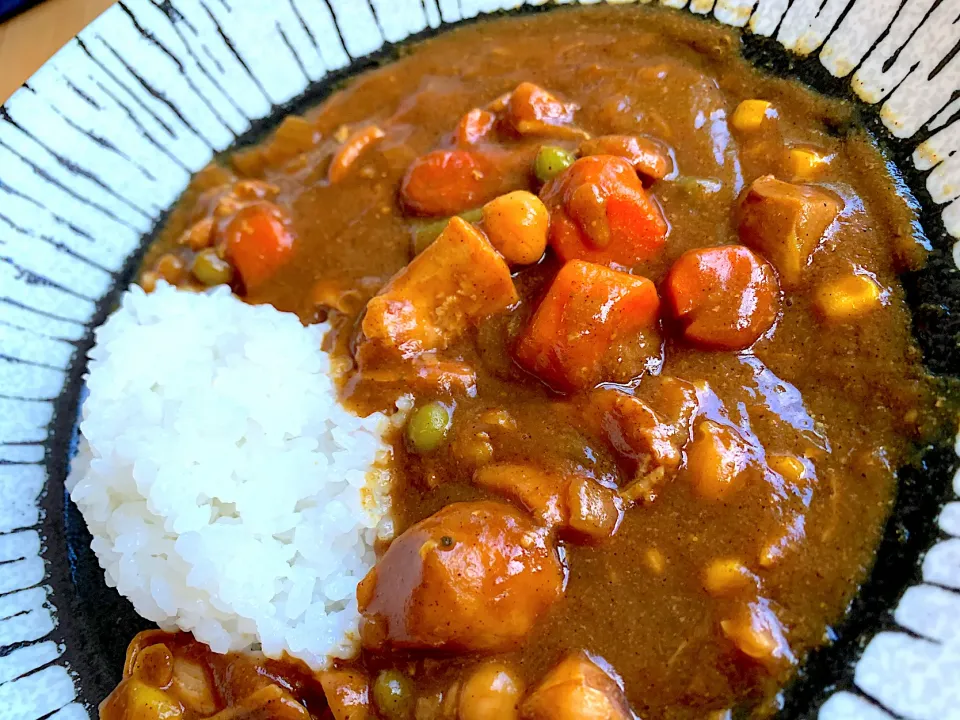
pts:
[750, 114]
[723, 577]
[805, 163]
[848, 298]
[788, 467]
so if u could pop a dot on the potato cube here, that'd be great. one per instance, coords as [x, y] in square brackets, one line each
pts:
[805, 163]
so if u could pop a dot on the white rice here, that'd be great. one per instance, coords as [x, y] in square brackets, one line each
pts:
[227, 491]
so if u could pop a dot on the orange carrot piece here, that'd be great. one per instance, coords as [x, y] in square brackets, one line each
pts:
[586, 310]
[447, 182]
[725, 297]
[257, 243]
[531, 110]
[474, 127]
[599, 212]
[348, 153]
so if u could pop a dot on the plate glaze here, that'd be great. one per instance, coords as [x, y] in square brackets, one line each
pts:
[97, 146]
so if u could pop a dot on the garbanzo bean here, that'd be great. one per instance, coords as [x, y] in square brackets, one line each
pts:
[516, 224]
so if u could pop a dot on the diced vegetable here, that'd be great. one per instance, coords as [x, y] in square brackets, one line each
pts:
[347, 693]
[447, 182]
[805, 163]
[587, 309]
[752, 114]
[199, 235]
[724, 298]
[757, 632]
[648, 157]
[516, 224]
[491, 692]
[393, 694]
[532, 110]
[786, 223]
[211, 269]
[456, 282]
[599, 212]
[576, 689]
[350, 151]
[257, 243]
[154, 666]
[849, 297]
[718, 459]
[727, 576]
[551, 161]
[474, 127]
[427, 427]
[420, 596]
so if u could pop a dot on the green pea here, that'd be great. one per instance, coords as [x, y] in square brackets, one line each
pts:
[551, 161]
[425, 234]
[211, 269]
[427, 427]
[393, 695]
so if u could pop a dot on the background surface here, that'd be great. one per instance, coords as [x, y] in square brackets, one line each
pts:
[27, 40]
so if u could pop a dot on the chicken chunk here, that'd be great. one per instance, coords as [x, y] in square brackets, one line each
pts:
[577, 689]
[576, 505]
[786, 223]
[455, 283]
[473, 577]
[648, 436]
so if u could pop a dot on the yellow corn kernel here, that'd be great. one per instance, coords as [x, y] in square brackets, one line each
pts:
[148, 703]
[788, 467]
[804, 163]
[722, 577]
[750, 114]
[848, 298]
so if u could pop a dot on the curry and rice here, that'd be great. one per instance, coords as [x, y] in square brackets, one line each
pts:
[558, 379]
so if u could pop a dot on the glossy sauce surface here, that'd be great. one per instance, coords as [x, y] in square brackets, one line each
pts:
[823, 411]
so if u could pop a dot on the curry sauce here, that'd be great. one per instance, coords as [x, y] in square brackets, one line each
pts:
[702, 388]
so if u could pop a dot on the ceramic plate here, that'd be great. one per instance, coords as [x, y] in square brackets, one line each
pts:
[97, 145]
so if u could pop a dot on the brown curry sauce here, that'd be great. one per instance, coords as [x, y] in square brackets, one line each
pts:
[846, 400]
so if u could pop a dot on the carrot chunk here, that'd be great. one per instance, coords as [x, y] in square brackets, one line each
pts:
[599, 212]
[457, 281]
[257, 243]
[348, 153]
[724, 297]
[447, 182]
[587, 309]
[474, 127]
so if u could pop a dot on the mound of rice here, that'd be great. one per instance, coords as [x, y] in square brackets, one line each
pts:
[227, 491]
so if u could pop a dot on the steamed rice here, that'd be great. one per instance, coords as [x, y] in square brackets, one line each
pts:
[227, 491]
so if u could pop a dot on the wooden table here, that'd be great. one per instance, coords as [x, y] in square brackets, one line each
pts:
[28, 40]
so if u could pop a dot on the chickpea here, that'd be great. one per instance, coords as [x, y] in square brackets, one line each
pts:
[491, 692]
[516, 224]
